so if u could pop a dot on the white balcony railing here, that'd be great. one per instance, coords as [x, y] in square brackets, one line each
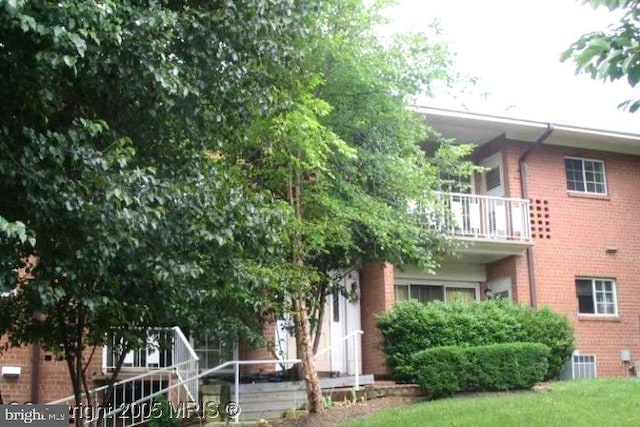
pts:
[485, 217]
[164, 347]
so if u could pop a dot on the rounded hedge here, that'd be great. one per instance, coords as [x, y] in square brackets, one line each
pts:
[442, 371]
[411, 327]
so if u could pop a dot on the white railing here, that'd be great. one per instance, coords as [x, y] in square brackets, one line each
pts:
[356, 335]
[169, 362]
[131, 400]
[485, 217]
[156, 353]
[187, 362]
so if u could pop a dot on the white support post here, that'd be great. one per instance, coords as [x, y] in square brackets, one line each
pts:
[237, 391]
[355, 359]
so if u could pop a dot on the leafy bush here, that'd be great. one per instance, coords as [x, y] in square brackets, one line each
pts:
[438, 370]
[161, 415]
[442, 371]
[411, 327]
[547, 327]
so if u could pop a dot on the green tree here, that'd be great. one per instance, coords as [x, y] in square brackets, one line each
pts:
[613, 54]
[345, 157]
[112, 117]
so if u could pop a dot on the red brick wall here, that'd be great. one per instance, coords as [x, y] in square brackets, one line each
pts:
[17, 389]
[581, 228]
[55, 382]
[261, 353]
[377, 296]
[516, 268]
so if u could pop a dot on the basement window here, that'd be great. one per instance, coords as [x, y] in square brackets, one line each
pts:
[596, 296]
[585, 175]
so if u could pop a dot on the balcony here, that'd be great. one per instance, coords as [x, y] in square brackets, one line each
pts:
[488, 228]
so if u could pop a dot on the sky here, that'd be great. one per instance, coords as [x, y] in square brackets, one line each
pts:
[513, 48]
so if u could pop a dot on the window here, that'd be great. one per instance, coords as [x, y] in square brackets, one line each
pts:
[585, 175]
[596, 296]
[212, 351]
[492, 179]
[451, 183]
[453, 293]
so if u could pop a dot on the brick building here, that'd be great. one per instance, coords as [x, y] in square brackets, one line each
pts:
[550, 223]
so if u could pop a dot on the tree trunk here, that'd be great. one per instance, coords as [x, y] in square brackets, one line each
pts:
[301, 315]
[309, 373]
[318, 329]
[73, 356]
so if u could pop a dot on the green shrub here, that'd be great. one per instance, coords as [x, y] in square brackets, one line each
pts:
[547, 327]
[438, 370]
[442, 371]
[411, 327]
[161, 415]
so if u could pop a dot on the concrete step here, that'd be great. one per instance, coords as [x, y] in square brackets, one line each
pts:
[390, 388]
[350, 381]
[270, 387]
[272, 399]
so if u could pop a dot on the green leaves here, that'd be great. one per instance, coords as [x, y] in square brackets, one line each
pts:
[614, 54]
[195, 163]
[16, 230]
[108, 110]
[412, 327]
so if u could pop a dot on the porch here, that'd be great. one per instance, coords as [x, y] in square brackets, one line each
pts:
[488, 228]
[169, 367]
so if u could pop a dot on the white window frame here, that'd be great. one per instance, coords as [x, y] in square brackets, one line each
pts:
[441, 283]
[584, 176]
[471, 185]
[208, 349]
[593, 295]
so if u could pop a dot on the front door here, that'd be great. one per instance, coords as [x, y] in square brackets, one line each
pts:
[338, 332]
[282, 340]
[345, 320]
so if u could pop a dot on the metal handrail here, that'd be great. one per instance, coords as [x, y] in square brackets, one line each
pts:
[171, 368]
[483, 196]
[235, 363]
[356, 360]
[184, 339]
[483, 217]
[346, 337]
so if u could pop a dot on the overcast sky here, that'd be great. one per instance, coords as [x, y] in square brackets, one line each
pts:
[513, 48]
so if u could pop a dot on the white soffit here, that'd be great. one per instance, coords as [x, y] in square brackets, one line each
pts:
[480, 128]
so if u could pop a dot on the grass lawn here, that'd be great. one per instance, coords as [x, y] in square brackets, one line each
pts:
[601, 402]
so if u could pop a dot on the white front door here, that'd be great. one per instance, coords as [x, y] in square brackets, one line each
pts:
[338, 331]
[282, 340]
[354, 344]
[344, 314]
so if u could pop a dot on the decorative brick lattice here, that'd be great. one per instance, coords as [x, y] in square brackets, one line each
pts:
[540, 220]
